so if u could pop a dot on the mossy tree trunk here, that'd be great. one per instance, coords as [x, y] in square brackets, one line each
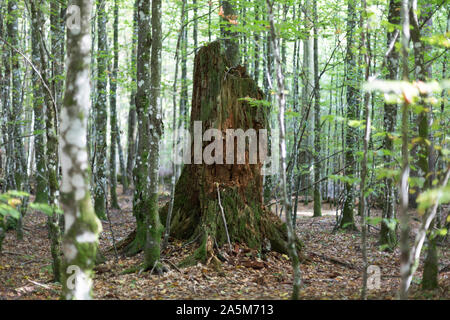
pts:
[82, 226]
[388, 237]
[348, 221]
[41, 186]
[131, 134]
[317, 124]
[18, 167]
[113, 111]
[217, 102]
[49, 173]
[100, 112]
[153, 226]
[422, 27]
[145, 202]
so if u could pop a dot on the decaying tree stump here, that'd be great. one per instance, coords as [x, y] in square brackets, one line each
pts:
[220, 100]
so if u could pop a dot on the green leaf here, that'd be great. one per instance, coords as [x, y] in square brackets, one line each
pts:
[6, 210]
[429, 198]
[373, 220]
[45, 208]
[390, 223]
[16, 193]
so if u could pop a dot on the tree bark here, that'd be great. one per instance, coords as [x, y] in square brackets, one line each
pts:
[131, 135]
[113, 111]
[41, 185]
[388, 236]
[217, 103]
[286, 199]
[153, 226]
[348, 221]
[317, 142]
[82, 226]
[100, 112]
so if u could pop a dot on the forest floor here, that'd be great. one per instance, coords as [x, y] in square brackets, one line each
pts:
[332, 269]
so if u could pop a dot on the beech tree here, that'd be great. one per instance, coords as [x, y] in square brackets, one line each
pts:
[82, 226]
[100, 115]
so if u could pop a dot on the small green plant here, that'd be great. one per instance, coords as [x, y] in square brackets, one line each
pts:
[9, 203]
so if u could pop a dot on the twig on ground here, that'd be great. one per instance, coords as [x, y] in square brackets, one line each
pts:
[223, 217]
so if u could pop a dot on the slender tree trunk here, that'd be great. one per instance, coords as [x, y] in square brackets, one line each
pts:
[230, 37]
[195, 29]
[123, 170]
[51, 152]
[113, 110]
[18, 152]
[282, 146]
[184, 81]
[425, 161]
[4, 93]
[365, 43]
[388, 236]
[351, 81]
[257, 41]
[404, 189]
[152, 223]
[307, 90]
[131, 145]
[174, 139]
[41, 187]
[100, 113]
[317, 142]
[82, 225]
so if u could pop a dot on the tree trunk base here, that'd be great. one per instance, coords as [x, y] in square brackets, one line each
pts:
[248, 222]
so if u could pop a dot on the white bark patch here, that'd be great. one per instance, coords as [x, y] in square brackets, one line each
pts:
[70, 252]
[84, 88]
[86, 237]
[85, 44]
[83, 285]
[68, 221]
[82, 156]
[76, 134]
[66, 165]
[78, 181]
[79, 194]
[64, 120]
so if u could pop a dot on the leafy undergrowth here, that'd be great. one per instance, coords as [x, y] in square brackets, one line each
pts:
[331, 269]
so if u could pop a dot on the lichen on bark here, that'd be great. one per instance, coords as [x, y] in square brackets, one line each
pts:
[82, 226]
